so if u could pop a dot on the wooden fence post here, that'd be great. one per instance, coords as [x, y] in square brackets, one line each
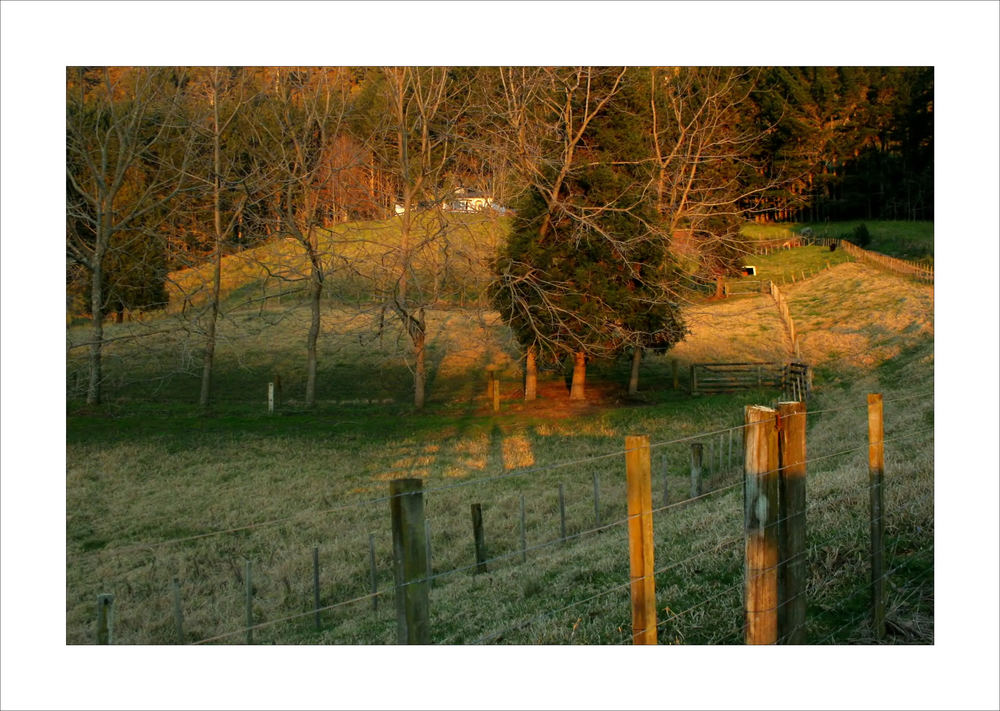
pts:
[524, 534]
[562, 513]
[696, 452]
[694, 380]
[409, 566]
[876, 469]
[178, 613]
[479, 537]
[270, 398]
[792, 569]
[249, 601]
[373, 575]
[640, 539]
[316, 586]
[666, 471]
[597, 501]
[760, 515]
[427, 545]
[105, 618]
[495, 391]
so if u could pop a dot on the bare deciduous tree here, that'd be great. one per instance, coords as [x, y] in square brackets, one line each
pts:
[118, 122]
[227, 95]
[709, 177]
[303, 114]
[415, 141]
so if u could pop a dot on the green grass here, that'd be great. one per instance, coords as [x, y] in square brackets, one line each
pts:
[784, 266]
[147, 468]
[905, 240]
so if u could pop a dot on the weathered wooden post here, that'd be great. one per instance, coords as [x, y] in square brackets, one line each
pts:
[373, 573]
[640, 539]
[792, 569]
[876, 469]
[524, 534]
[316, 586]
[562, 513]
[760, 515]
[729, 459]
[270, 398]
[696, 452]
[479, 537]
[427, 544]
[249, 601]
[409, 564]
[105, 618]
[178, 613]
[597, 501]
[666, 471]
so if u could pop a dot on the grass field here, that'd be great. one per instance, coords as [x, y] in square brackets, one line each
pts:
[157, 491]
[903, 239]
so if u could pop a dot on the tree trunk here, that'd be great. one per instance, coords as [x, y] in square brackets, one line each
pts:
[315, 292]
[314, 299]
[209, 355]
[633, 381]
[419, 372]
[530, 375]
[97, 333]
[213, 314]
[576, 391]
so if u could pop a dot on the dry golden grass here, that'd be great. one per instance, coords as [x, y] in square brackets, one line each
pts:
[859, 316]
[733, 330]
[371, 249]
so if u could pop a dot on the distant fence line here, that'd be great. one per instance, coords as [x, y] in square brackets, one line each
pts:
[786, 318]
[791, 240]
[899, 266]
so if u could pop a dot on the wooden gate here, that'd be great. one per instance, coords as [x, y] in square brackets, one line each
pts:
[793, 379]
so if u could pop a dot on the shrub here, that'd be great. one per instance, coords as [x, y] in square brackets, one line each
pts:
[861, 236]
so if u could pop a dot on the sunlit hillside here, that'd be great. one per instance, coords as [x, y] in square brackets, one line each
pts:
[450, 253]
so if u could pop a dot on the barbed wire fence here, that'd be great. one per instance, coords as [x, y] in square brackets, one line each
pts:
[564, 578]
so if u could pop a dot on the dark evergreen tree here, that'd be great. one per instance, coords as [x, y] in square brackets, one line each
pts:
[583, 270]
[858, 141]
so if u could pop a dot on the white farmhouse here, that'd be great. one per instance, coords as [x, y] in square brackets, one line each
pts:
[468, 200]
